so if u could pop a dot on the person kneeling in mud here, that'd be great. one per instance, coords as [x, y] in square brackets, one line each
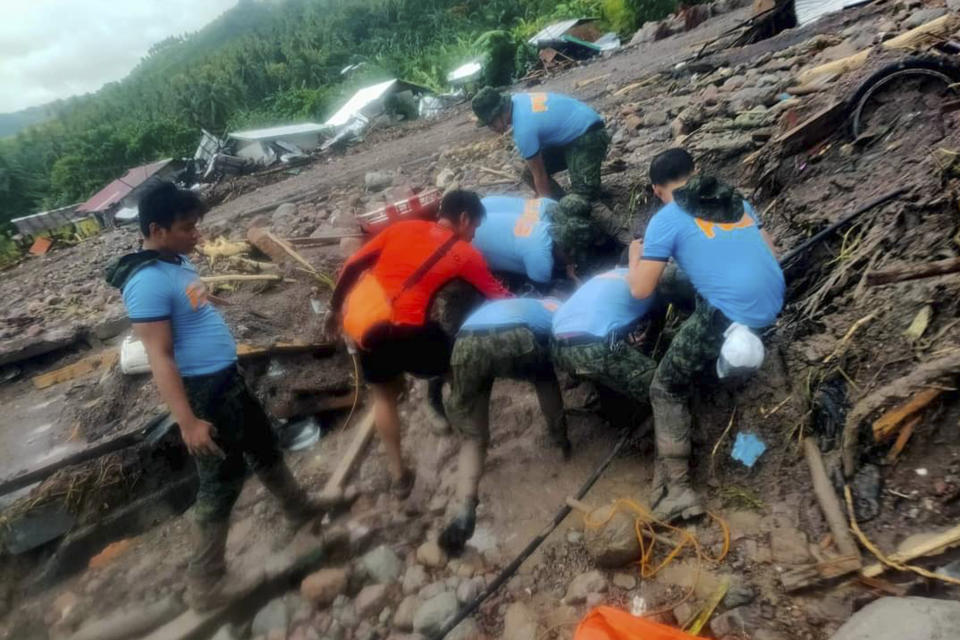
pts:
[590, 336]
[501, 339]
[717, 241]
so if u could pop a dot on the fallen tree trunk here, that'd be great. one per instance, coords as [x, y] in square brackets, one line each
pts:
[914, 272]
[898, 389]
[939, 28]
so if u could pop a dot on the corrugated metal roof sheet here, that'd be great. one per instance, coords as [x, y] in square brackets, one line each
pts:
[274, 133]
[809, 10]
[121, 187]
[359, 101]
[552, 33]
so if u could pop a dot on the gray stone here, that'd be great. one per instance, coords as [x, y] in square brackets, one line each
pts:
[382, 565]
[953, 5]
[923, 16]
[378, 180]
[403, 618]
[749, 97]
[519, 623]
[900, 618]
[434, 613]
[725, 146]
[365, 631]
[345, 614]
[414, 579]
[271, 617]
[754, 118]
[739, 595]
[335, 631]
[470, 589]
[132, 622]
[466, 630]
[614, 544]
[732, 623]
[285, 210]
[322, 587]
[370, 601]
[433, 589]
[445, 178]
[625, 581]
[655, 118]
[583, 585]
[226, 632]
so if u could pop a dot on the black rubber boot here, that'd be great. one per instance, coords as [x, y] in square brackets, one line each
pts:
[455, 536]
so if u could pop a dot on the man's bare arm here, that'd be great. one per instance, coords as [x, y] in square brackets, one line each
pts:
[157, 338]
[541, 181]
[643, 275]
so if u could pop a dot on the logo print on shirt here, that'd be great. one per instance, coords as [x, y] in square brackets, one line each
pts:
[708, 227]
[538, 102]
[197, 294]
[531, 215]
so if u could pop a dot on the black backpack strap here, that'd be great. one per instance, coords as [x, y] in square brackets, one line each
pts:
[427, 264]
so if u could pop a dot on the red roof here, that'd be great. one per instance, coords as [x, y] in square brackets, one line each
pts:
[121, 187]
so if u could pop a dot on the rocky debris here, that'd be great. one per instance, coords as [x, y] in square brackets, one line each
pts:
[131, 622]
[446, 179]
[406, 610]
[466, 630]
[738, 595]
[434, 613]
[655, 118]
[899, 618]
[345, 613]
[615, 543]
[382, 565]
[371, 600]
[624, 581]
[375, 181]
[736, 622]
[322, 587]
[272, 617]
[226, 632]
[789, 545]
[429, 554]
[519, 623]
[584, 585]
[414, 579]
[470, 589]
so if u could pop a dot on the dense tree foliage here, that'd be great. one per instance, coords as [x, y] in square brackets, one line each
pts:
[258, 64]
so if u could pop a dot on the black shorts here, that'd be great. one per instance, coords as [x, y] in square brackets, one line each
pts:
[423, 351]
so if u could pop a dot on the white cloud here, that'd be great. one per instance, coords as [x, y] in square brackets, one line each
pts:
[52, 49]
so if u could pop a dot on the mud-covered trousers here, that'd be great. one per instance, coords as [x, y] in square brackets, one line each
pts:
[479, 358]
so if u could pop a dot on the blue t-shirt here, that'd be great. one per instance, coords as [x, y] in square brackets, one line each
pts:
[535, 314]
[729, 264]
[515, 236]
[602, 305]
[202, 343]
[542, 120]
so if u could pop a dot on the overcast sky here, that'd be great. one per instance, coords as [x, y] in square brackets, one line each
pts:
[53, 49]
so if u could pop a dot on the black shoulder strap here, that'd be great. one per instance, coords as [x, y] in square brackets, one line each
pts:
[427, 264]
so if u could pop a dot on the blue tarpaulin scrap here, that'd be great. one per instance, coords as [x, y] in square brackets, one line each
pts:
[747, 448]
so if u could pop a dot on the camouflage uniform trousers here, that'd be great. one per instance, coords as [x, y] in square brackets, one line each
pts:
[613, 364]
[452, 303]
[582, 158]
[481, 357]
[692, 352]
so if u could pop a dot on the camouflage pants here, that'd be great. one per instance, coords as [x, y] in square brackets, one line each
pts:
[243, 433]
[453, 303]
[617, 366]
[693, 351]
[479, 358]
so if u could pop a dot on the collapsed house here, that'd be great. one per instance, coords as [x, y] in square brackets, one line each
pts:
[116, 203]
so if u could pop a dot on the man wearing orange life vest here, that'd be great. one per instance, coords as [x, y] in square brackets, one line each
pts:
[382, 299]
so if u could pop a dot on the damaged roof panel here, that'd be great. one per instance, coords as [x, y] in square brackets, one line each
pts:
[809, 10]
[276, 133]
[121, 187]
[359, 101]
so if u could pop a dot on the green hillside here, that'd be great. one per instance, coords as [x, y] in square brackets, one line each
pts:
[258, 64]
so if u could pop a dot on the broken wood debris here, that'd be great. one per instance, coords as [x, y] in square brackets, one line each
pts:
[363, 434]
[90, 364]
[281, 252]
[827, 499]
[933, 546]
[886, 426]
[914, 272]
[902, 439]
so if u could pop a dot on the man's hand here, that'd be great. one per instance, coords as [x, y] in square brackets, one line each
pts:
[197, 434]
[635, 252]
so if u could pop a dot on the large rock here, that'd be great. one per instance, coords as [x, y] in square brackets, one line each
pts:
[403, 618]
[414, 579]
[583, 585]
[615, 543]
[429, 554]
[470, 589]
[378, 180]
[382, 565]
[434, 613]
[132, 622]
[322, 587]
[466, 630]
[789, 546]
[370, 601]
[922, 17]
[272, 617]
[519, 623]
[902, 618]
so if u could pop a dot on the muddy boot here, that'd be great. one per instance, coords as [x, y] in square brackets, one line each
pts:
[672, 496]
[675, 499]
[439, 423]
[454, 537]
[208, 585]
[297, 507]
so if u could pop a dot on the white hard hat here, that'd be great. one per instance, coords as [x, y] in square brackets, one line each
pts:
[741, 353]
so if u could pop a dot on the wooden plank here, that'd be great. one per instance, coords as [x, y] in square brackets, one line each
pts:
[829, 503]
[914, 272]
[817, 574]
[886, 425]
[814, 129]
[935, 545]
[363, 433]
[253, 351]
[90, 364]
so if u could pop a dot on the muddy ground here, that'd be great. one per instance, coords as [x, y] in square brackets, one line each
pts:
[837, 339]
